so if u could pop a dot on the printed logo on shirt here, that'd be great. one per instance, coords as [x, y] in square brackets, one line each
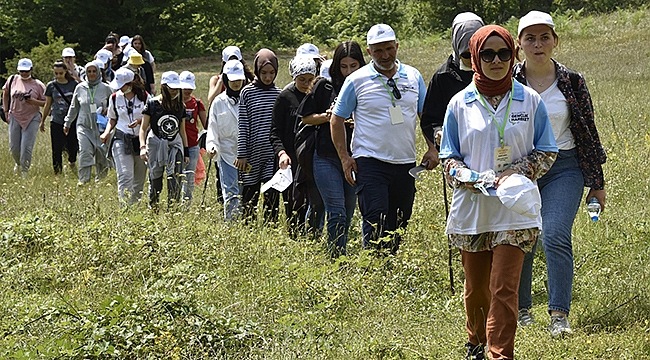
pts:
[168, 125]
[518, 117]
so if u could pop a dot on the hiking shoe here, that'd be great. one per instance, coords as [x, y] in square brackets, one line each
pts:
[525, 318]
[474, 352]
[559, 326]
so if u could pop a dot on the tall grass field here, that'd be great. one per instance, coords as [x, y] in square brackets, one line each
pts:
[81, 278]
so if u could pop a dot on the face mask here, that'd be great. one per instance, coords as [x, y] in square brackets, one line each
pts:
[128, 90]
[176, 96]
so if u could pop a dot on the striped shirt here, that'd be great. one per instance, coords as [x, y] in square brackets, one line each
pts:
[254, 144]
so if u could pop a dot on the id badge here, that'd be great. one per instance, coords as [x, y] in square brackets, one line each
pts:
[502, 158]
[396, 116]
[93, 108]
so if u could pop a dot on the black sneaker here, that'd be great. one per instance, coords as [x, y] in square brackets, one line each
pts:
[474, 352]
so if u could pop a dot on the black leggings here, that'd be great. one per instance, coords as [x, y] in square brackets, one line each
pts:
[61, 141]
[250, 197]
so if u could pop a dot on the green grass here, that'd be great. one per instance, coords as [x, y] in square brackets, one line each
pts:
[81, 278]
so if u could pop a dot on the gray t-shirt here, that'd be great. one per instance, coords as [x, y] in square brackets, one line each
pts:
[60, 107]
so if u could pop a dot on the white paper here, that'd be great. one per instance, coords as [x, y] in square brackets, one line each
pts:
[280, 181]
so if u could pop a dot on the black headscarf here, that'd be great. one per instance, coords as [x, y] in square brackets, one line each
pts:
[262, 58]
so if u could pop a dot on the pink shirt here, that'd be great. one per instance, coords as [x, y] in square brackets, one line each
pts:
[22, 111]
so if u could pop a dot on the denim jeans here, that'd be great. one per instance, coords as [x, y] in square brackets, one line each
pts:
[386, 192]
[561, 190]
[339, 200]
[131, 173]
[230, 189]
[190, 173]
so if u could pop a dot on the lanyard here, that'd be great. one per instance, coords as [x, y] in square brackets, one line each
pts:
[91, 93]
[390, 92]
[500, 126]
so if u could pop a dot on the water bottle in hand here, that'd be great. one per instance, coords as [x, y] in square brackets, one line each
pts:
[482, 180]
[593, 208]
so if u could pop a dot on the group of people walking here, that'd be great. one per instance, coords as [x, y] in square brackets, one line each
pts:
[347, 131]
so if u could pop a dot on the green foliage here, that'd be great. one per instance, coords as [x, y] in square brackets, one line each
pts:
[42, 56]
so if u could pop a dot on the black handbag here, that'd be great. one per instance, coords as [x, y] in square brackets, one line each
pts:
[3, 115]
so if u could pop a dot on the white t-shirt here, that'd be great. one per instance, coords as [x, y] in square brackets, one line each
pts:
[366, 94]
[127, 112]
[469, 133]
[558, 113]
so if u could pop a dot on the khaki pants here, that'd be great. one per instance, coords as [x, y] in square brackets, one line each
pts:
[491, 285]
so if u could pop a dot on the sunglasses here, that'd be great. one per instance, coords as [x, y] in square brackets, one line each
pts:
[466, 55]
[489, 54]
[129, 107]
[396, 93]
[24, 71]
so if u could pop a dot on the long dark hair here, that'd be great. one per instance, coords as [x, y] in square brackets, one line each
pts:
[138, 88]
[345, 49]
[168, 103]
[60, 64]
[144, 46]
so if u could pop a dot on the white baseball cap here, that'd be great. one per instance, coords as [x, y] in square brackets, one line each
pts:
[188, 80]
[234, 70]
[535, 18]
[68, 52]
[24, 65]
[104, 55]
[380, 33]
[124, 40]
[520, 195]
[171, 79]
[325, 69]
[308, 49]
[122, 76]
[230, 51]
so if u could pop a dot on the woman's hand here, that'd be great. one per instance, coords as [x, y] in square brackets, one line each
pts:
[503, 176]
[104, 137]
[598, 194]
[143, 152]
[242, 164]
[212, 152]
[285, 160]
[66, 130]
[135, 123]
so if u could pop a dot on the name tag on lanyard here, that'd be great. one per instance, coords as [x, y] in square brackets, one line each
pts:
[396, 116]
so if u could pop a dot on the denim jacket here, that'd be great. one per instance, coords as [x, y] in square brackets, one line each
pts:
[591, 154]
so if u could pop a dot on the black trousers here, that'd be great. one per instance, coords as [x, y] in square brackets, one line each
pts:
[250, 198]
[60, 142]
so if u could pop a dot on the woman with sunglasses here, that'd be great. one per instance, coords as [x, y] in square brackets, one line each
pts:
[25, 96]
[125, 116]
[578, 165]
[451, 77]
[89, 99]
[58, 97]
[495, 123]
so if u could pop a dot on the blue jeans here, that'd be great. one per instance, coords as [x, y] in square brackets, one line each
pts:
[386, 192]
[230, 189]
[339, 200]
[561, 189]
[190, 173]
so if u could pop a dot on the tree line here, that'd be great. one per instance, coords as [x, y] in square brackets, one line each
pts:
[177, 29]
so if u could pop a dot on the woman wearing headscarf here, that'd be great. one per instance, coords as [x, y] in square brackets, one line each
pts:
[254, 150]
[283, 133]
[25, 96]
[495, 123]
[338, 195]
[451, 77]
[165, 146]
[578, 165]
[125, 116]
[58, 95]
[90, 98]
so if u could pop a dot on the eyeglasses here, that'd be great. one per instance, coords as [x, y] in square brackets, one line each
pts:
[466, 55]
[396, 93]
[489, 54]
[129, 107]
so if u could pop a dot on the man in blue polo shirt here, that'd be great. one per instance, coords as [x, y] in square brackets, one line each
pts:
[385, 99]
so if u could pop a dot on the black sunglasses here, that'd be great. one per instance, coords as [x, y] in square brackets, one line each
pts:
[466, 55]
[24, 71]
[489, 54]
[129, 107]
[396, 93]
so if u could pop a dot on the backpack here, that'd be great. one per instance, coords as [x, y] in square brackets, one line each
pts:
[8, 104]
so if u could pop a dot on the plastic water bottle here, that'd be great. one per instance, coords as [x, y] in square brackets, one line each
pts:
[481, 180]
[593, 208]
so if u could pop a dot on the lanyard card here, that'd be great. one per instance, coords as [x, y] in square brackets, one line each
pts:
[502, 158]
[396, 116]
[93, 108]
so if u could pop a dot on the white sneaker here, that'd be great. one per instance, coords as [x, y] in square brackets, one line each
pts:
[559, 326]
